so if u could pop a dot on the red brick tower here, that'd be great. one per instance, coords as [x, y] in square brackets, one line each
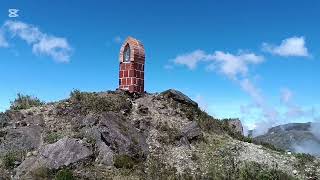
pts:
[131, 72]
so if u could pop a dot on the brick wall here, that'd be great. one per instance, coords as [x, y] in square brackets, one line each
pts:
[131, 74]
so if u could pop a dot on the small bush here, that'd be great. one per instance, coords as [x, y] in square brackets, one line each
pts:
[52, 137]
[64, 174]
[41, 173]
[123, 161]
[303, 159]
[3, 120]
[9, 159]
[25, 102]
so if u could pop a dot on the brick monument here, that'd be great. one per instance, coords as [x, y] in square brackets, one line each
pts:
[131, 71]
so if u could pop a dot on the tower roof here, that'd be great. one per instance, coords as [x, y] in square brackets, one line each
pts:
[137, 50]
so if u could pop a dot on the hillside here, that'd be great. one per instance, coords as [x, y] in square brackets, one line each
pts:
[296, 137]
[118, 135]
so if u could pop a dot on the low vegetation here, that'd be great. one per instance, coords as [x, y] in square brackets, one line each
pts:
[64, 174]
[94, 102]
[52, 137]
[303, 160]
[10, 159]
[124, 161]
[252, 170]
[25, 102]
[41, 173]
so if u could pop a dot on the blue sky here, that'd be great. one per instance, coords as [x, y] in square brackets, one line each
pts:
[256, 60]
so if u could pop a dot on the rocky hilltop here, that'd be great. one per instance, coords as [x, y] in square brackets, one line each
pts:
[118, 135]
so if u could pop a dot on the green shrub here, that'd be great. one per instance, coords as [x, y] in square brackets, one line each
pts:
[25, 102]
[9, 159]
[64, 174]
[123, 161]
[52, 137]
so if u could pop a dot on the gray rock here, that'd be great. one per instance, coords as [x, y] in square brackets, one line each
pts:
[21, 139]
[192, 131]
[178, 96]
[54, 156]
[105, 155]
[121, 136]
[235, 125]
[64, 152]
[34, 120]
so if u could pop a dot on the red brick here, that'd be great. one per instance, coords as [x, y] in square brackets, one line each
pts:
[125, 73]
[131, 88]
[131, 73]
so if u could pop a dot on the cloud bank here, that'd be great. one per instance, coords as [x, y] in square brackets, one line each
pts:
[42, 43]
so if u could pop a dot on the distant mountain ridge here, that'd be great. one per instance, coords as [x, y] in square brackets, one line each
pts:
[296, 137]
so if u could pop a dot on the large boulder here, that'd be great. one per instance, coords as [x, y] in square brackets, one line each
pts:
[64, 152]
[121, 136]
[21, 139]
[178, 96]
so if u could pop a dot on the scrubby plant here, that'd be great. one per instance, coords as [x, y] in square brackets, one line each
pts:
[9, 159]
[168, 135]
[64, 174]
[303, 159]
[157, 169]
[94, 102]
[123, 161]
[253, 170]
[3, 120]
[41, 173]
[52, 137]
[25, 102]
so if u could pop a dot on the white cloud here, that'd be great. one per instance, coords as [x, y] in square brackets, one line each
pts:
[294, 111]
[234, 65]
[294, 46]
[228, 64]
[3, 41]
[57, 48]
[191, 59]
